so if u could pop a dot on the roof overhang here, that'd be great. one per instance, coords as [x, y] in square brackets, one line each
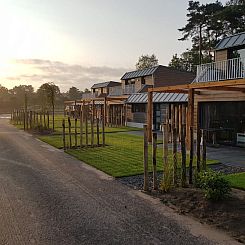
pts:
[237, 85]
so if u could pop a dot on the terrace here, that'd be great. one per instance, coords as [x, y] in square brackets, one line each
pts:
[221, 70]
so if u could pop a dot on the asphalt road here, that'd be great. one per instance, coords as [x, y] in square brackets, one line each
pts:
[48, 197]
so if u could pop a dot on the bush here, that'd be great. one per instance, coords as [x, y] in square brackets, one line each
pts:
[215, 186]
[167, 181]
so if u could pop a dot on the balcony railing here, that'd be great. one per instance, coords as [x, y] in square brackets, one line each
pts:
[221, 70]
[129, 89]
[118, 90]
[115, 91]
[89, 95]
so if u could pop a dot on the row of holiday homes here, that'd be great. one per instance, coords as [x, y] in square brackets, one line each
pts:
[221, 111]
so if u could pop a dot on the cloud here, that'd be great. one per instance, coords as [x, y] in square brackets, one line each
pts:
[38, 71]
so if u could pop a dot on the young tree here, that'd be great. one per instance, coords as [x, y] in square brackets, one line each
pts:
[146, 61]
[48, 92]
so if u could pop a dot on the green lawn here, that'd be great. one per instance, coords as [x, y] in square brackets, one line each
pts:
[237, 180]
[122, 156]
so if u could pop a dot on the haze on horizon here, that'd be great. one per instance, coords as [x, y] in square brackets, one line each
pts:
[79, 42]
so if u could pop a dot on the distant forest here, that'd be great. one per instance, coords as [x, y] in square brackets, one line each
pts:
[39, 100]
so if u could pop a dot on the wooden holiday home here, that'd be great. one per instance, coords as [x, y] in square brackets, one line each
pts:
[216, 98]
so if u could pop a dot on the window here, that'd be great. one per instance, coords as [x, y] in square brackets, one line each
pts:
[142, 80]
[138, 108]
[237, 53]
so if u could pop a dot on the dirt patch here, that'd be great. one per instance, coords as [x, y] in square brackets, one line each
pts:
[228, 215]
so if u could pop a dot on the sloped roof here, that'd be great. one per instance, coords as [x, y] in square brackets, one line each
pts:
[139, 73]
[157, 98]
[105, 84]
[231, 41]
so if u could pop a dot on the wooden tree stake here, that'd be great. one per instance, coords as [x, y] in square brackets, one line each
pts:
[146, 175]
[154, 159]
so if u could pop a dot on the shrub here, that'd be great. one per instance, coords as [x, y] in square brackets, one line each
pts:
[215, 186]
[167, 180]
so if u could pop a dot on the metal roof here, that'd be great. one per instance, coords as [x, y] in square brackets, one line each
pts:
[105, 84]
[157, 98]
[231, 41]
[139, 73]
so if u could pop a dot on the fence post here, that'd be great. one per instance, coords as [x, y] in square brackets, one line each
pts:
[165, 145]
[69, 125]
[75, 132]
[86, 125]
[175, 161]
[48, 118]
[81, 127]
[98, 131]
[204, 149]
[154, 159]
[191, 154]
[64, 134]
[92, 124]
[31, 120]
[146, 177]
[183, 154]
[103, 131]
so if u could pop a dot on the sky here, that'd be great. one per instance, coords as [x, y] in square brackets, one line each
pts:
[81, 42]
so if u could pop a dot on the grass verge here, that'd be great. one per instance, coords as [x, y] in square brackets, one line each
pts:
[237, 180]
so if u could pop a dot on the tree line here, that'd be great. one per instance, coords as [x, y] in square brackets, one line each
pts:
[44, 98]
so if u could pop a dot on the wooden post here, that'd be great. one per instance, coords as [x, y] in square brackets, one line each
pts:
[165, 150]
[150, 115]
[176, 118]
[41, 119]
[105, 112]
[24, 117]
[154, 159]
[86, 124]
[98, 131]
[76, 132]
[175, 161]
[92, 124]
[183, 154]
[31, 124]
[198, 150]
[204, 149]
[146, 177]
[103, 131]
[190, 112]
[125, 115]
[48, 118]
[191, 154]
[44, 119]
[180, 121]
[81, 125]
[64, 134]
[69, 127]
[198, 142]
[172, 121]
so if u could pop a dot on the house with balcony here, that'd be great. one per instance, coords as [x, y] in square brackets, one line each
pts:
[216, 97]
[221, 109]
[136, 84]
[102, 89]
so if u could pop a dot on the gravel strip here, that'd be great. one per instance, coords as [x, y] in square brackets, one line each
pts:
[136, 181]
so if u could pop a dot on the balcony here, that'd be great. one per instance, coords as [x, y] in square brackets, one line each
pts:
[129, 89]
[115, 91]
[89, 95]
[221, 70]
[118, 90]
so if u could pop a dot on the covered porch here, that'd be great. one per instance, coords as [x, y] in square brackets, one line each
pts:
[218, 107]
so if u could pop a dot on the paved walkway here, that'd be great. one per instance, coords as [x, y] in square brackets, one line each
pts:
[228, 155]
